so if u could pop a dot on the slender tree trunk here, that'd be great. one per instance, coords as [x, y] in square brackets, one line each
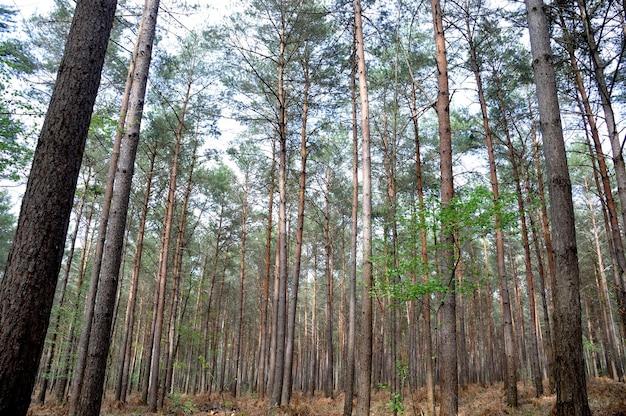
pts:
[365, 336]
[428, 342]
[62, 379]
[549, 254]
[263, 322]
[616, 235]
[291, 323]
[613, 361]
[448, 348]
[328, 275]
[90, 399]
[507, 325]
[488, 317]
[351, 338]
[530, 282]
[281, 304]
[181, 242]
[164, 261]
[235, 387]
[611, 125]
[121, 388]
[570, 375]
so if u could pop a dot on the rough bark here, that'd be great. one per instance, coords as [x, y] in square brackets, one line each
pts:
[27, 288]
[570, 377]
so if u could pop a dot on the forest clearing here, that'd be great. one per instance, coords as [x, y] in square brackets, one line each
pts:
[301, 202]
[606, 398]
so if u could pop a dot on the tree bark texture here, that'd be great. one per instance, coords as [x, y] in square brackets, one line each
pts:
[27, 288]
[448, 349]
[570, 377]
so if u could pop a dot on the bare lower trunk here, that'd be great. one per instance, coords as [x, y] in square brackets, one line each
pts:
[448, 348]
[365, 337]
[570, 376]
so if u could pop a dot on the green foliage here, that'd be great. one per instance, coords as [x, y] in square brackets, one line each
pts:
[7, 228]
[15, 60]
[471, 212]
[180, 404]
[396, 404]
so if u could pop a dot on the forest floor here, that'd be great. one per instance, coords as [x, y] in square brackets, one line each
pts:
[606, 398]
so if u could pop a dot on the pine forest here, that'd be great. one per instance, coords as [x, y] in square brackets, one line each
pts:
[312, 207]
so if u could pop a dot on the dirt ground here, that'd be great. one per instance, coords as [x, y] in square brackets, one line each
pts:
[606, 398]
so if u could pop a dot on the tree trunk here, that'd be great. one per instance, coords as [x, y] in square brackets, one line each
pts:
[124, 361]
[328, 310]
[28, 285]
[89, 401]
[570, 378]
[236, 381]
[164, 262]
[281, 300]
[291, 323]
[351, 337]
[419, 184]
[507, 325]
[550, 254]
[263, 324]
[365, 336]
[615, 233]
[181, 242]
[448, 348]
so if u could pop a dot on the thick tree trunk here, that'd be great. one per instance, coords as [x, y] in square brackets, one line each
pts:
[28, 285]
[571, 390]
[615, 232]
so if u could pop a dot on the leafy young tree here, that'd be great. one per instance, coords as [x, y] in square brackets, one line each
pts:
[35, 258]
